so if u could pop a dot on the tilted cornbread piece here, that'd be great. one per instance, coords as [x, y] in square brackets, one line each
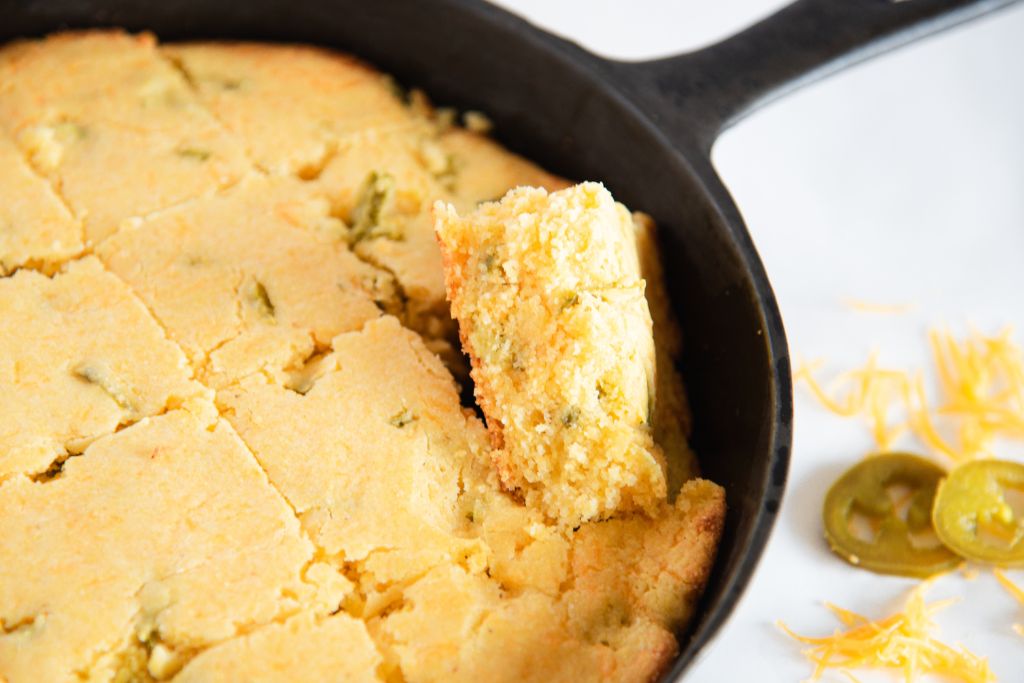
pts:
[551, 310]
[261, 260]
[116, 128]
[157, 542]
[630, 584]
[336, 648]
[36, 229]
[369, 452]
[79, 357]
[291, 104]
[671, 419]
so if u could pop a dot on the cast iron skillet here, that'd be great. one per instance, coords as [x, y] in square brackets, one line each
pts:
[646, 130]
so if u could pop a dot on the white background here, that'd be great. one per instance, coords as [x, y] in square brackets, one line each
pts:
[900, 181]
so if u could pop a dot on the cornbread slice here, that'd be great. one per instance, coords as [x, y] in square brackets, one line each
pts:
[671, 419]
[69, 371]
[383, 184]
[158, 541]
[36, 229]
[369, 451]
[631, 583]
[483, 170]
[116, 128]
[291, 104]
[551, 308]
[337, 648]
[262, 259]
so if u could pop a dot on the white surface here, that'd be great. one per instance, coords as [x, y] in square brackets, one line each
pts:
[900, 181]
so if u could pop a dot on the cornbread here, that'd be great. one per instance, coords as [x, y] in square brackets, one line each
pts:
[336, 648]
[550, 302]
[231, 443]
[70, 374]
[257, 259]
[35, 226]
[671, 419]
[291, 104]
[117, 129]
[193, 548]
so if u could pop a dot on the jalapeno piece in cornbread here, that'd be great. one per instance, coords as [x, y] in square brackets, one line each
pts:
[550, 302]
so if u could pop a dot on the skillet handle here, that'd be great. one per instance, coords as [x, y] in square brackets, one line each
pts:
[696, 96]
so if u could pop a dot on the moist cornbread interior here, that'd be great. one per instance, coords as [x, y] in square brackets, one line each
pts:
[551, 308]
[229, 446]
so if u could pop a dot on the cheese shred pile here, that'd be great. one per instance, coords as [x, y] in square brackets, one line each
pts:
[981, 400]
[981, 380]
[1014, 590]
[903, 641]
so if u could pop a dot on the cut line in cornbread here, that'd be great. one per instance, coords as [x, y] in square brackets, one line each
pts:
[36, 228]
[550, 302]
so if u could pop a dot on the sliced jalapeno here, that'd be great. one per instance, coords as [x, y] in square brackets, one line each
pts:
[896, 537]
[973, 516]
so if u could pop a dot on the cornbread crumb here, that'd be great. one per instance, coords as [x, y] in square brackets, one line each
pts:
[551, 308]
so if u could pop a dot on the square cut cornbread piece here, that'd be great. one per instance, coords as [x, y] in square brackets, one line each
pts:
[369, 451]
[291, 104]
[223, 274]
[550, 302]
[36, 229]
[157, 542]
[79, 357]
[382, 184]
[113, 125]
[303, 648]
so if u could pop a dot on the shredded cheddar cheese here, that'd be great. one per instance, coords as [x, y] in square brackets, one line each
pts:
[904, 641]
[873, 307]
[1014, 590]
[981, 379]
[980, 401]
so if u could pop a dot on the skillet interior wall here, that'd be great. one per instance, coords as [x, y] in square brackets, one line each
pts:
[548, 105]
